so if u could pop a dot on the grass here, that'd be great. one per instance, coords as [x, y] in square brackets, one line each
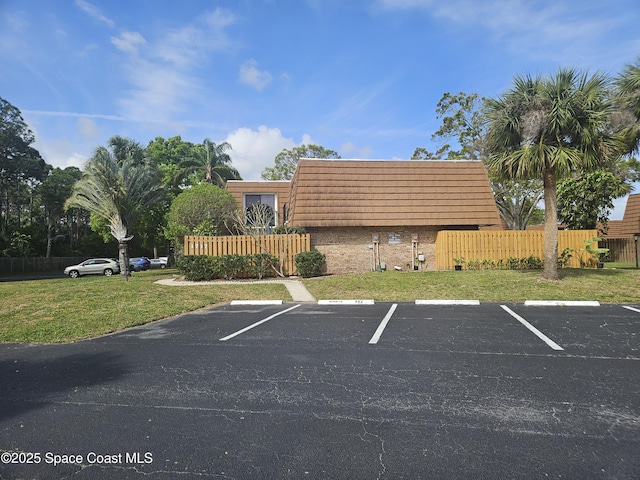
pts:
[608, 285]
[64, 310]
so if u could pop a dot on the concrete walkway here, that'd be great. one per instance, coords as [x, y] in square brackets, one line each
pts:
[297, 290]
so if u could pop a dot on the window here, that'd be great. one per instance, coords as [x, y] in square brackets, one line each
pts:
[260, 210]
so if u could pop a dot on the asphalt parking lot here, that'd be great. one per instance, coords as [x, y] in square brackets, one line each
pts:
[383, 391]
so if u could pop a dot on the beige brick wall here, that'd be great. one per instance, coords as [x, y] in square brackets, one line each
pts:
[349, 249]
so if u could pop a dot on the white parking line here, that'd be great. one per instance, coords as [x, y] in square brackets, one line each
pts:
[383, 325]
[239, 332]
[533, 329]
[631, 308]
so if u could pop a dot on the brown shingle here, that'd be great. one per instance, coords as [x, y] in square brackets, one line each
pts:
[391, 193]
[630, 222]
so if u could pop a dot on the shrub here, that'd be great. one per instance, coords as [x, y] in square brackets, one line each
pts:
[309, 264]
[260, 264]
[282, 229]
[231, 265]
[197, 268]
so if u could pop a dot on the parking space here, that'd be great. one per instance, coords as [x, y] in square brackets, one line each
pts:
[604, 331]
[610, 331]
[380, 390]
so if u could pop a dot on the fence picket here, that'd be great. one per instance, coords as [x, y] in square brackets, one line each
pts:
[500, 245]
[289, 245]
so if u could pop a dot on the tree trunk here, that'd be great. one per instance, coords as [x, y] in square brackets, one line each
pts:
[550, 271]
[123, 257]
[49, 237]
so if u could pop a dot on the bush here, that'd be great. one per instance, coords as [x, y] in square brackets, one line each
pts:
[282, 229]
[260, 264]
[232, 265]
[197, 268]
[309, 264]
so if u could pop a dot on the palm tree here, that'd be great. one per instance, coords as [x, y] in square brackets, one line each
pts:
[628, 84]
[213, 160]
[549, 127]
[117, 190]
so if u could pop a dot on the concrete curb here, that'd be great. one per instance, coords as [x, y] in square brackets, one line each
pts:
[561, 303]
[447, 302]
[346, 302]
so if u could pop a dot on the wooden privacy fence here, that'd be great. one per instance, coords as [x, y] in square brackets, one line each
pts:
[620, 249]
[282, 246]
[502, 244]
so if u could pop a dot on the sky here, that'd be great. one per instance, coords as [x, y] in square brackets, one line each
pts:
[361, 77]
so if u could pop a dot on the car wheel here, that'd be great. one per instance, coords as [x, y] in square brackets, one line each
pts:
[108, 272]
[74, 274]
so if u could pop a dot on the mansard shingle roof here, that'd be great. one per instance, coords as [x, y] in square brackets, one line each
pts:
[327, 193]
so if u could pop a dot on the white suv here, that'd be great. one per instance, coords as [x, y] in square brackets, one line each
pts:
[97, 266]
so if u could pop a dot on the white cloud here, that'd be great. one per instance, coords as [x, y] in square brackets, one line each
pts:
[162, 71]
[253, 150]
[94, 12]
[251, 76]
[128, 42]
[349, 150]
[188, 45]
[87, 128]
[555, 31]
[61, 153]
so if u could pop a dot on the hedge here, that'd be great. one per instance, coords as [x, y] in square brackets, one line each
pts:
[203, 267]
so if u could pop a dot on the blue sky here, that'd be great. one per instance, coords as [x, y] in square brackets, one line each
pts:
[361, 77]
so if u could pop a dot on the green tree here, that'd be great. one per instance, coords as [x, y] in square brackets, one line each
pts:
[210, 162]
[52, 194]
[547, 128]
[169, 154]
[287, 160]
[21, 166]
[464, 126]
[586, 200]
[118, 191]
[462, 122]
[204, 209]
[628, 89]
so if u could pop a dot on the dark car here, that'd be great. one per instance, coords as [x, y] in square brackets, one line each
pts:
[158, 263]
[137, 264]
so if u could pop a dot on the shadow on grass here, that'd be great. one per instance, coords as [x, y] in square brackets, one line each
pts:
[30, 384]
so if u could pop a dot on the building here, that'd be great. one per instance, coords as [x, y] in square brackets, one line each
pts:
[369, 214]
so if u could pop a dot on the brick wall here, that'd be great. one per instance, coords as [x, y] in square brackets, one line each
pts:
[350, 249]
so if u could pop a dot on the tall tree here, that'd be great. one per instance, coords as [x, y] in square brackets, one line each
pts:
[118, 191]
[21, 166]
[212, 161]
[287, 160]
[169, 154]
[628, 86]
[53, 193]
[548, 127]
[585, 201]
[463, 135]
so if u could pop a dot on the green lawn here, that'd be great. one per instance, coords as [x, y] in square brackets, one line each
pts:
[608, 285]
[63, 310]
